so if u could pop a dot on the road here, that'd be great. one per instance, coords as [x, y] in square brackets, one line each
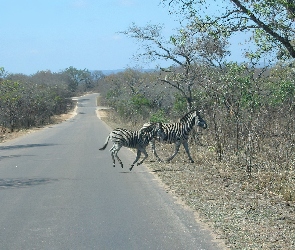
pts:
[58, 191]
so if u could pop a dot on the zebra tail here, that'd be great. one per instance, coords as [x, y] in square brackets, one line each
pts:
[106, 143]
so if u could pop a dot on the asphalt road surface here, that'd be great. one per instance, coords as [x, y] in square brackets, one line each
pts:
[58, 191]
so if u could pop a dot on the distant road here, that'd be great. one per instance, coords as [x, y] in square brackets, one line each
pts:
[58, 191]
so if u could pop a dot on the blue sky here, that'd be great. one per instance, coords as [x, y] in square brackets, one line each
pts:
[55, 34]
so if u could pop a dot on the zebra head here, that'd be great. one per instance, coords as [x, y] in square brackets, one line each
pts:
[199, 121]
[152, 130]
[193, 118]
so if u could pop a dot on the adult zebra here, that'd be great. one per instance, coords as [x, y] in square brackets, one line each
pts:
[178, 133]
[133, 139]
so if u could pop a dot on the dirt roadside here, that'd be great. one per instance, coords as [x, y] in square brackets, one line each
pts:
[54, 120]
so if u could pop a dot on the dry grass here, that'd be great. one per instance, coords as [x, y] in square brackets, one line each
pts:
[249, 211]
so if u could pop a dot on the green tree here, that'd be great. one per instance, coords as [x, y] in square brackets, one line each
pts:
[2, 73]
[281, 87]
[78, 77]
[271, 22]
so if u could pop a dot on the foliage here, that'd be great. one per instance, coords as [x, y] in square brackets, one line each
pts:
[282, 86]
[159, 116]
[134, 94]
[139, 102]
[2, 73]
[238, 89]
[271, 22]
[28, 101]
[179, 103]
[77, 78]
[284, 92]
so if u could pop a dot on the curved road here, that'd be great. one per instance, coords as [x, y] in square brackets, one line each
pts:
[58, 191]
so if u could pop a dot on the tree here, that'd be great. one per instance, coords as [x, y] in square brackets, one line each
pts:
[96, 77]
[186, 51]
[271, 21]
[78, 77]
[10, 101]
[3, 73]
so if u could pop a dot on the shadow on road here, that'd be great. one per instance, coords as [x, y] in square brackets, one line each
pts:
[167, 170]
[27, 146]
[12, 156]
[24, 182]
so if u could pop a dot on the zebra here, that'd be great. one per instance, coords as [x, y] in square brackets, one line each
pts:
[178, 133]
[133, 139]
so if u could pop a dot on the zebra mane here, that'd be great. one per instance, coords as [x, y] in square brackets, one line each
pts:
[185, 117]
[146, 128]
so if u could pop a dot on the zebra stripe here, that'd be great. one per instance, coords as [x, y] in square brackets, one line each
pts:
[133, 139]
[178, 133]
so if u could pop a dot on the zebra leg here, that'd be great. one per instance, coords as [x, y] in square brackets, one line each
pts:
[119, 160]
[177, 146]
[136, 159]
[112, 154]
[185, 145]
[145, 156]
[115, 149]
[153, 144]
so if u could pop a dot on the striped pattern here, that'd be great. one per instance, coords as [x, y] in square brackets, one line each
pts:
[178, 133]
[133, 139]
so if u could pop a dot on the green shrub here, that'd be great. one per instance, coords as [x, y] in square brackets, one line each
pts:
[159, 116]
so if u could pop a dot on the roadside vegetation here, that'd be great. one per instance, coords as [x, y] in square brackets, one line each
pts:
[33, 101]
[243, 180]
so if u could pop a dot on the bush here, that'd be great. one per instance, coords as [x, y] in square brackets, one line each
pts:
[158, 116]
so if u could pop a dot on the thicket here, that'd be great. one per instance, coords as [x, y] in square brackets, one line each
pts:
[30, 101]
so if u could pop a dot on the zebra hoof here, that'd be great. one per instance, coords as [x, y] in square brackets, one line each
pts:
[130, 168]
[191, 161]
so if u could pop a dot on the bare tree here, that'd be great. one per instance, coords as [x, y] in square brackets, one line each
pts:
[186, 51]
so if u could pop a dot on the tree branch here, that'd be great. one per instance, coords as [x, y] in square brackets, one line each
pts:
[266, 28]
